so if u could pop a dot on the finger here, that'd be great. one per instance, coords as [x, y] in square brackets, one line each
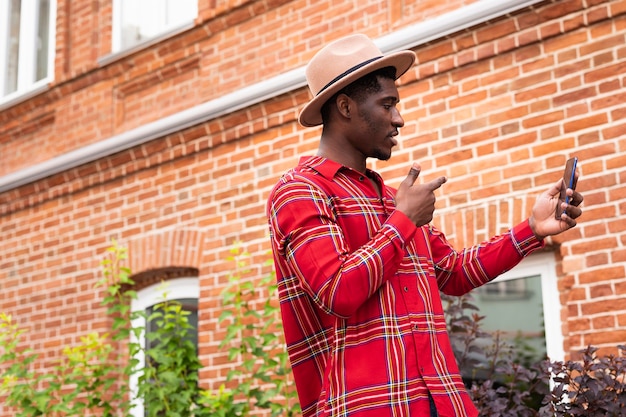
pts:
[436, 183]
[414, 172]
[576, 198]
[573, 212]
[555, 189]
[571, 222]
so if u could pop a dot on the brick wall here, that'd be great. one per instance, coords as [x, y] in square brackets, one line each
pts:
[497, 108]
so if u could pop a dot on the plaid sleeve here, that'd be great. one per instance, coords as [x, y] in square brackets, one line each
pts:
[306, 234]
[460, 272]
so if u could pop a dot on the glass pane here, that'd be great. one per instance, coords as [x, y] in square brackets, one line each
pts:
[13, 47]
[43, 31]
[188, 304]
[512, 311]
[131, 22]
[178, 12]
[144, 19]
[514, 308]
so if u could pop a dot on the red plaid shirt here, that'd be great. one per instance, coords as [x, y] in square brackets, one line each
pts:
[359, 294]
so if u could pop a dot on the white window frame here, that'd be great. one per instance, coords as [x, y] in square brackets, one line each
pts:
[27, 55]
[165, 32]
[544, 265]
[175, 289]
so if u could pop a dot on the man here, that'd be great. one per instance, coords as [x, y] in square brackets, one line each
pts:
[360, 268]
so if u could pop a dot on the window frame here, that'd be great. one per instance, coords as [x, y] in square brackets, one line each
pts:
[167, 31]
[176, 288]
[27, 85]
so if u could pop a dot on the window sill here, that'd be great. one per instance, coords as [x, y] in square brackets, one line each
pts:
[115, 56]
[21, 96]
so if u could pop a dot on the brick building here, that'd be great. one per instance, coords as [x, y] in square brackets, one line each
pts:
[168, 137]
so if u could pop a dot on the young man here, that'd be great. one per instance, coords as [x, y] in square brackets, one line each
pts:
[360, 268]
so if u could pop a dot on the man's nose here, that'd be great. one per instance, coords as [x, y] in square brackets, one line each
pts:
[397, 119]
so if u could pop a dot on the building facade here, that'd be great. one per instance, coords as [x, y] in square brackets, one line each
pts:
[165, 128]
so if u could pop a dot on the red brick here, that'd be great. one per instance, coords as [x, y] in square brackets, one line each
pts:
[613, 337]
[543, 119]
[599, 291]
[605, 274]
[497, 108]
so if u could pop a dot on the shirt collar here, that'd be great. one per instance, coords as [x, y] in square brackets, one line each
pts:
[329, 168]
[325, 167]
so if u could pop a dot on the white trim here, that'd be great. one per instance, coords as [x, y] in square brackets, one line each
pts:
[544, 264]
[119, 54]
[451, 22]
[406, 38]
[52, 45]
[173, 289]
[18, 97]
[116, 36]
[4, 42]
[27, 87]
[28, 41]
[119, 51]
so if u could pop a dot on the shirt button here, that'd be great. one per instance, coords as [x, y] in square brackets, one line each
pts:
[361, 178]
[406, 289]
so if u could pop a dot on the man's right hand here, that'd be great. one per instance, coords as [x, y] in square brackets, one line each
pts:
[417, 201]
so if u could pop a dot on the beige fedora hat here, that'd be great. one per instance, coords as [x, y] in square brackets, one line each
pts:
[341, 62]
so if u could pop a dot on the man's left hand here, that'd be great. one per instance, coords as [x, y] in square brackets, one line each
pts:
[542, 220]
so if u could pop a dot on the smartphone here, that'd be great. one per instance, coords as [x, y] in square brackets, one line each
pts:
[569, 181]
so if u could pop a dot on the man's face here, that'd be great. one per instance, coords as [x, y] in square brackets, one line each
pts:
[377, 121]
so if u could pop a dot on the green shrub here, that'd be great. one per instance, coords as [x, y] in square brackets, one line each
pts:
[81, 381]
[88, 378]
[594, 386]
[254, 338]
[511, 386]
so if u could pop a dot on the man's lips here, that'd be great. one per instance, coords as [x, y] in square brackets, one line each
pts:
[392, 137]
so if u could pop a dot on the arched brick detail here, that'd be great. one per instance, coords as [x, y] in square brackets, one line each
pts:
[158, 275]
[167, 248]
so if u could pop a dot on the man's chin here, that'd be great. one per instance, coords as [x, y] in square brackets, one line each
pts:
[383, 156]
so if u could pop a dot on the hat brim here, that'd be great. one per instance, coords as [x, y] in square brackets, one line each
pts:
[311, 113]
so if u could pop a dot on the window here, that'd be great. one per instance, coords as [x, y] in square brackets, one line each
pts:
[184, 290]
[137, 21]
[523, 306]
[508, 289]
[26, 46]
[513, 307]
[188, 304]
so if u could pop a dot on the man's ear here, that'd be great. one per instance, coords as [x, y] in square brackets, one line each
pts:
[344, 105]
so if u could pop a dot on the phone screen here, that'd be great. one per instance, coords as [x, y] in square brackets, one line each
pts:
[569, 181]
